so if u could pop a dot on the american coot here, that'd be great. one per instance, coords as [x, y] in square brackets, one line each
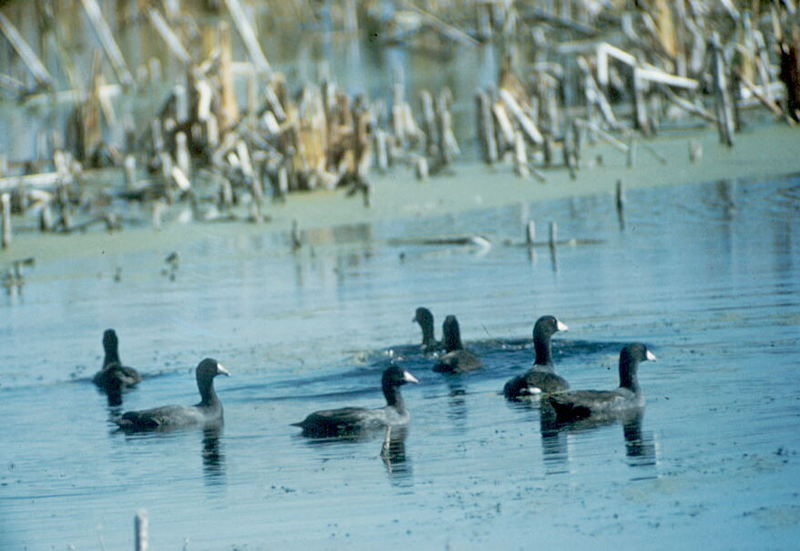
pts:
[208, 412]
[580, 404]
[114, 377]
[350, 420]
[424, 318]
[457, 359]
[541, 378]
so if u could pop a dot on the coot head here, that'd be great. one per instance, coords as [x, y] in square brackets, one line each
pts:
[451, 334]
[210, 368]
[629, 359]
[424, 318]
[205, 373]
[397, 376]
[547, 326]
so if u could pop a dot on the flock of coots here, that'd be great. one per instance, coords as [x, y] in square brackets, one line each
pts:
[448, 356]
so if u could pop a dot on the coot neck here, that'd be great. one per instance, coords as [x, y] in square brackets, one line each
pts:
[208, 396]
[112, 356]
[393, 396]
[628, 368]
[427, 334]
[543, 350]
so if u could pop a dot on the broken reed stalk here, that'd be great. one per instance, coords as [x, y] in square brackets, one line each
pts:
[521, 156]
[29, 58]
[429, 127]
[525, 122]
[530, 233]
[158, 210]
[106, 38]
[631, 151]
[182, 158]
[553, 238]
[248, 37]
[486, 129]
[169, 37]
[421, 169]
[443, 126]
[382, 150]
[722, 97]
[130, 171]
[229, 113]
[5, 199]
[141, 531]
[790, 72]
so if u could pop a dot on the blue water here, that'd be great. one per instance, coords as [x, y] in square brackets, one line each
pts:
[707, 275]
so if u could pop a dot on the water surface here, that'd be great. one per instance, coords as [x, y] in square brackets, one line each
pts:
[707, 275]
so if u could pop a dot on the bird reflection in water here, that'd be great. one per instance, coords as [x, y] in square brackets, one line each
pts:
[393, 454]
[213, 456]
[554, 441]
[456, 401]
[640, 448]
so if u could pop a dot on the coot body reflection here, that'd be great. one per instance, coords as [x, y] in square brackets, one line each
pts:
[580, 404]
[208, 412]
[353, 420]
[457, 359]
[541, 378]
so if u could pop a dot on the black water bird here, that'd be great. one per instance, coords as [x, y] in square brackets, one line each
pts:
[424, 318]
[541, 378]
[456, 359]
[580, 404]
[208, 412]
[353, 420]
[113, 377]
